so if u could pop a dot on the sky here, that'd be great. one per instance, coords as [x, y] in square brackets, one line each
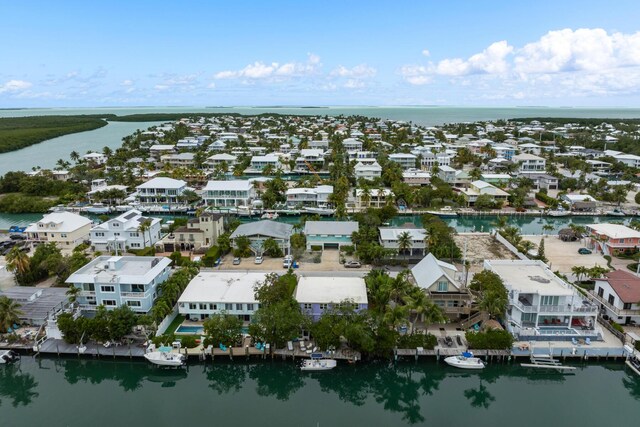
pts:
[266, 53]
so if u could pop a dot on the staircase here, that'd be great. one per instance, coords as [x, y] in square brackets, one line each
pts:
[480, 316]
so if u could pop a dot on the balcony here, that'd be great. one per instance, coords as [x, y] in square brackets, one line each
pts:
[88, 307]
[618, 311]
[133, 294]
[87, 294]
[568, 308]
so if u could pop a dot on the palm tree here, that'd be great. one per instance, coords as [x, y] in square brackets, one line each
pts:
[493, 302]
[72, 293]
[18, 262]
[527, 246]
[9, 313]
[405, 242]
[143, 228]
[365, 196]
[579, 271]
[74, 156]
[547, 227]
[597, 271]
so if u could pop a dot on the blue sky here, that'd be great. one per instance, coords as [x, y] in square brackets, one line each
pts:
[205, 53]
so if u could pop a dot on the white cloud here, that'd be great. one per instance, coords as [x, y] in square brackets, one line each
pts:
[354, 84]
[492, 60]
[359, 71]
[211, 85]
[260, 70]
[415, 74]
[13, 86]
[126, 83]
[426, 52]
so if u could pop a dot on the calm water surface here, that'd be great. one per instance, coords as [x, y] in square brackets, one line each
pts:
[71, 392]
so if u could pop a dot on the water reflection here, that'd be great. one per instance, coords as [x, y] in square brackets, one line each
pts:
[276, 379]
[17, 386]
[225, 378]
[479, 397]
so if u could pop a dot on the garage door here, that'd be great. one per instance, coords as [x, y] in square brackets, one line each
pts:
[331, 245]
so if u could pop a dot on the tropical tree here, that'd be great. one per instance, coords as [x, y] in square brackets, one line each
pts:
[272, 248]
[144, 227]
[597, 271]
[18, 262]
[579, 271]
[242, 244]
[405, 242]
[9, 313]
[224, 329]
[72, 293]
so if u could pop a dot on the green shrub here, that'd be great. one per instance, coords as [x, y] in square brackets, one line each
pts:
[210, 257]
[426, 341]
[316, 248]
[189, 341]
[638, 345]
[489, 340]
[148, 251]
[608, 258]
[617, 326]
[348, 249]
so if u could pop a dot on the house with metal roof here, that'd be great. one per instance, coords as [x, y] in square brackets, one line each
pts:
[67, 230]
[329, 234]
[444, 284]
[37, 304]
[124, 232]
[259, 231]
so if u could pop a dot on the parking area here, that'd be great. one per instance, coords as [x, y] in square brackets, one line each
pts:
[564, 255]
[329, 261]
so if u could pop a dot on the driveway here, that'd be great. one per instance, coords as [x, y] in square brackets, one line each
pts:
[564, 255]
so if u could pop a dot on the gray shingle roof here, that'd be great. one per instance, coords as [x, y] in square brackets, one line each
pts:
[342, 228]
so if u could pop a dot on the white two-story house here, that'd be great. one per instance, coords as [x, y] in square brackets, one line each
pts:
[229, 193]
[161, 191]
[315, 197]
[126, 231]
[67, 230]
[120, 280]
[530, 163]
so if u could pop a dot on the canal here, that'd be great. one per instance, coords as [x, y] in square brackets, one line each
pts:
[72, 392]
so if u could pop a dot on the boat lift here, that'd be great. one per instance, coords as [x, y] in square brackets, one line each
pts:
[546, 361]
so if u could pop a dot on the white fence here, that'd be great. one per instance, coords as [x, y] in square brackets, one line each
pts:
[509, 246]
[162, 327]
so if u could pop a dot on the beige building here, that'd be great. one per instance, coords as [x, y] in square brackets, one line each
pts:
[67, 230]
[201, 232]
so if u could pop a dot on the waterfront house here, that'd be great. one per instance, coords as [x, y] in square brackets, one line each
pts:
[161, 191]
[317, 196]
[95, 158]
[477, 188]
[179, 160]
[352, 144]
[221, 158]
[120, 280]
[200, 232]
[317, 295]
[390, 237]
[67, 230]
[37, 304]
[542, 306]
[375, 197]
[579, 202]
[259, 163]
[229, 193]
[500, 179]
[613, 239]
[211, 293]
[329, 234]
[416, 177]
[310, 157]
[367, 171]
[259, 231]
[443, 283]
[543, 181]
[447, 174]
[123, 232]
[618, 294]
[156, 151]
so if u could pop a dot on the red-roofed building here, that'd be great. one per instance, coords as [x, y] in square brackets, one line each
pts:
[619, 296]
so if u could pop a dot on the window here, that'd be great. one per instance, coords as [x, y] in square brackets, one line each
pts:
[443, 286]
[137, 288]
[88, 287]
[549, 300]
[228, 307]
[133, 303]
[63, 235]
[193, 306]
[626, 306]
[239, 307]
[215, 306]
[324, 306]
[109, 302]
[99, 234]
[204, 306]
[600, 292]
[612, 299]
[249, 307]
[135, 245]
[307, 306]
[108, 289]
[134, 235]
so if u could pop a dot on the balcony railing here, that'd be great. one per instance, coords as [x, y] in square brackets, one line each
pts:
[87, 294]
[133, 294]
[88, 307]
[620, 312]
[555, 308]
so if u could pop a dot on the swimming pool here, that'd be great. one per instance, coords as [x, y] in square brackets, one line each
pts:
[199, 330]
[557, 331]
[182, 329]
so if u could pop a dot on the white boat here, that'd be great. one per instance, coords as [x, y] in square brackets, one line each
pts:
[162, 358]
[465, 360]
[8, 356]
[615, 212]
[97, 209]
[273, 215]
[318, 211]
[559, 212]
[317, 363]
[445, 212]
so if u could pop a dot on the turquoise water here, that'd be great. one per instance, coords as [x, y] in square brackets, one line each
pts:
[47, 153]
[87, 392]
[190, 330]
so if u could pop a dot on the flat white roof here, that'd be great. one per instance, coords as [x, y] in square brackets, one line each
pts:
[529, 277]
[163, 182]
[222, 287]
[128, 269]
[326, 290]
[614, 231]
[234, 185]
[393, 233]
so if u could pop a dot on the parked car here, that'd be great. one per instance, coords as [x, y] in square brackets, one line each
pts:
[288, 261]
[18, 237]
[352, 264]
[584, 251]
[258, 260]
[236, 261]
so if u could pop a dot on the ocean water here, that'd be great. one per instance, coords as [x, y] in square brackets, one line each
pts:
[82, 392]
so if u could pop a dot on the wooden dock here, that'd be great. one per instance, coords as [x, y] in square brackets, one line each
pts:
[59, 347]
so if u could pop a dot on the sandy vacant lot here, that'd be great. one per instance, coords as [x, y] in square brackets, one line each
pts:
[564, 255]
[481, 247]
